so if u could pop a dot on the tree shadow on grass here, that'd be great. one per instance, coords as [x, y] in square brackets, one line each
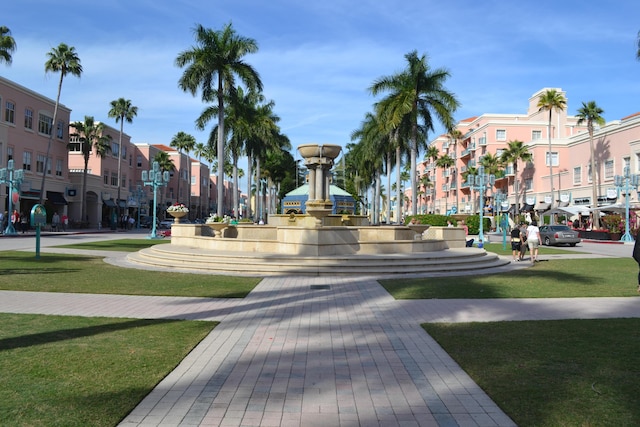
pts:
[69, 334]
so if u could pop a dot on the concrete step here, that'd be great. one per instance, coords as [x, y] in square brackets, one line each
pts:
[263, 264]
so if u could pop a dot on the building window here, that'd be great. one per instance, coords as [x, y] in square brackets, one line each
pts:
[106, 177]
[9, 153]
[608, 169]
[75, 145]
[589, 180]
[40, 163]
[45, 124]
[626, 163]
[536, 134]
[123, 181]
[28, 118]
[115, 149]
[124, 152]
[114, 179]
[10, 112]
[577, 175]
[637, 162]
[59, 167]
[139, 161]
[554, 158]
[60, 130]
[528, 184]
[501, 135]
[26, 160]
[49, 166]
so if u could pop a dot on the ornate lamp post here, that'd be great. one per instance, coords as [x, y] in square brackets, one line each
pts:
[626, 181]
[480, 182]
[13, 179]
[502, 215]
[155, 179]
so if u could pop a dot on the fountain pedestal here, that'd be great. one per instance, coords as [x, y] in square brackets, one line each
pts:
[319, 161]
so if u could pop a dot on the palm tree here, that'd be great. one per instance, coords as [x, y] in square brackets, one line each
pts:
[184, 141]
[419, 94]
[432, 154]
[65, 60]
[121, 110]
[456, 135]
[203, 151]
[90, 135]
[217, 54]
[445, 162]
[7, 45]
[516, 151]
[592, 114]
[551, 100]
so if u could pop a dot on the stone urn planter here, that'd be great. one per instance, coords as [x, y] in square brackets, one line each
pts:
[218, 227]
[177, 215]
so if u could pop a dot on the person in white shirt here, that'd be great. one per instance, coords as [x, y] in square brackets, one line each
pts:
[533, 239]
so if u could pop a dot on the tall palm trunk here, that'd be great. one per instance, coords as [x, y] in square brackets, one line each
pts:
[398, 186]
[550, 162]
[53, 129]
[388, 188]
[594, 187]
[249, 172]
[220, 146]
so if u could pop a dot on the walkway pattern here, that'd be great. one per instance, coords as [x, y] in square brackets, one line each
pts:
[295, 352]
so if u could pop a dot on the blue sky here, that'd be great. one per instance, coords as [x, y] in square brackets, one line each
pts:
[318, 58]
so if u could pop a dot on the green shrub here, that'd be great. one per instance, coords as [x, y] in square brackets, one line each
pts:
[431, 219]
[473, 222]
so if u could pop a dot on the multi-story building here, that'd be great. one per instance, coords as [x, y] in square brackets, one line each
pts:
[569, 180]
[26, 125]
[27, 133]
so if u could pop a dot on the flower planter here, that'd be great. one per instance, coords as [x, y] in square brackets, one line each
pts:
[177, 215]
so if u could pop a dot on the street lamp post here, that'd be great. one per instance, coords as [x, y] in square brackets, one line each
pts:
[155, 179]
[502, 223]
[13, 179]
[480, 182]
[627, 181]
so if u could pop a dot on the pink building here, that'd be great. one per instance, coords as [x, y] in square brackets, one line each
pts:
[617, 144]
[26, 126]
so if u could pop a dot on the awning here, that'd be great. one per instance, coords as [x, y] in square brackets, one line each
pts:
[563, 204]
[109, 203]
[122, 203]
[543, 206]
[56, 198]
[527, 208]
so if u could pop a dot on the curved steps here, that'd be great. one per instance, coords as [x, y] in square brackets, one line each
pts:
[269, 264]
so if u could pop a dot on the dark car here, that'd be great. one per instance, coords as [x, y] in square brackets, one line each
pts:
[552, 235]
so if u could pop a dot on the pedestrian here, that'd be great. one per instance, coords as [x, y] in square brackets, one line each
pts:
[15, 219]
[516, 242]
[24, 223]
[533, 240]
[55, 222]
[636, 256]
[523, 240]
[65, 221]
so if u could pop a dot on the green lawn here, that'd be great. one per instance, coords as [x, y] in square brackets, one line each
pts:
[553, 373]
[20, 271]
[75, 371]
[124, 245]
[598, 277]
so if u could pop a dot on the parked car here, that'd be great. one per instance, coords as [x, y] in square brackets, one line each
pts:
[552, 235]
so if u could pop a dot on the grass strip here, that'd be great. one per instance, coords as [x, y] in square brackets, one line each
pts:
[20, 271]
[122, 245]
[78, 371]
[568, 278]
[552, 373]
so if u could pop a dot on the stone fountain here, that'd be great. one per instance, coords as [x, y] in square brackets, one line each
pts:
[316, 242]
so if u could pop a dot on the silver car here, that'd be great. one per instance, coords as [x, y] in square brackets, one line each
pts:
[552, 235]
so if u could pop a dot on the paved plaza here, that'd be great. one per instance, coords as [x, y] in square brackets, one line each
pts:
[313, 351]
